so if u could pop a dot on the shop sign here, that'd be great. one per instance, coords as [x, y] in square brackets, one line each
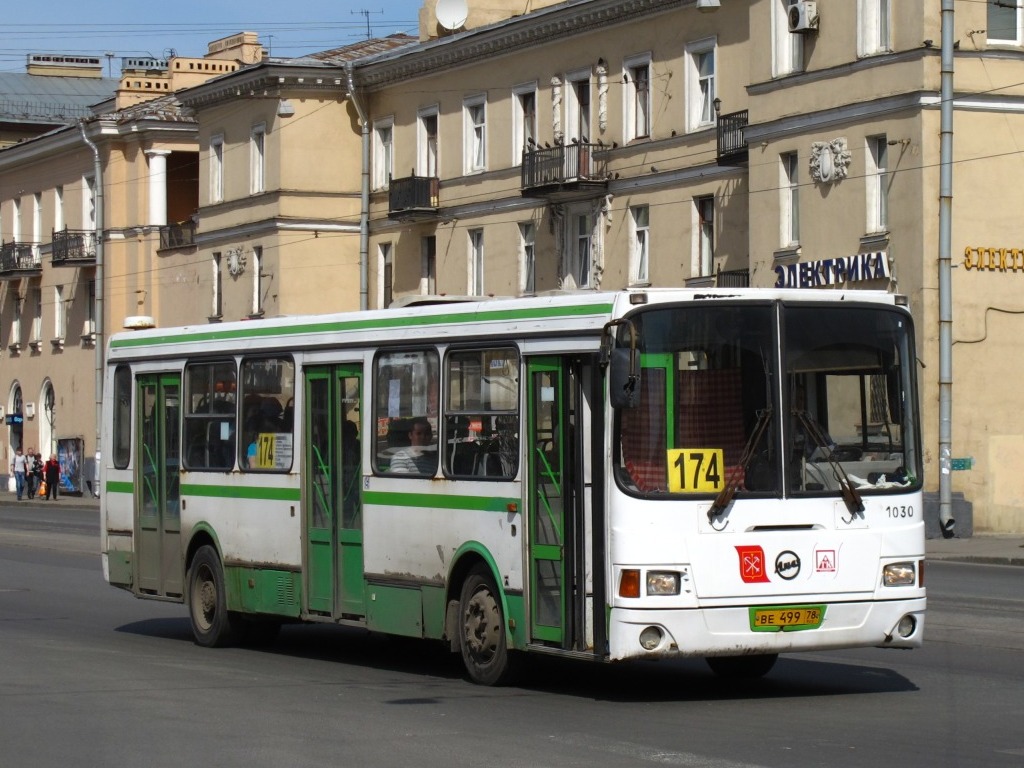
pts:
[994, 259]
[845, 269]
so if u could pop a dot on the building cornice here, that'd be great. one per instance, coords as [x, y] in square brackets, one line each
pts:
[266, 80]
[563, 21]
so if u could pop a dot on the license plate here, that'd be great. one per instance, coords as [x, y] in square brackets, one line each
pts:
[786, 618]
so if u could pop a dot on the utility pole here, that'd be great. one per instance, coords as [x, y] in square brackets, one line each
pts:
[366, 14]
[946, 521]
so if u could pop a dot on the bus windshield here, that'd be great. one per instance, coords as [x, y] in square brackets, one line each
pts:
[720, 408]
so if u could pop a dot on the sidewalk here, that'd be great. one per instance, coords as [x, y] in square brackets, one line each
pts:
[989, 548]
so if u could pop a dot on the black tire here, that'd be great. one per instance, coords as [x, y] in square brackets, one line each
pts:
[213, 626]
[482, 636]
[742, 667]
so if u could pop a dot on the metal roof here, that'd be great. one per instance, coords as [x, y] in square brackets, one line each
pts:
[51, 99]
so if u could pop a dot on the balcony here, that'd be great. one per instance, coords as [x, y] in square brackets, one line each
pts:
[413, 197]
[565, 171]
[732, 278]
[19, 260]
[732, 145]
[180, 235]
[73, 248]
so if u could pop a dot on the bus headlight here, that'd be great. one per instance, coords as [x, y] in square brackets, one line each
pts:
[662, 582]
[899, 575]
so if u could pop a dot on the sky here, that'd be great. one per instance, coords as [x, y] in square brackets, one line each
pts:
[101, 27]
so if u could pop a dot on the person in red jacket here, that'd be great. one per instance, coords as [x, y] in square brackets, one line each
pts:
[52, 472]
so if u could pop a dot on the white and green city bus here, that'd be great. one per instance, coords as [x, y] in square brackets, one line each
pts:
[729, 474]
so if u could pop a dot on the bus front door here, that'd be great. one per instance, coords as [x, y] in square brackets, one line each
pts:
[157, 502]
[556, 507]
[332, 492]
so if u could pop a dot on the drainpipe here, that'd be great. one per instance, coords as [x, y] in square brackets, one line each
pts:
[98, 319]
[946, 522]
[364, 196]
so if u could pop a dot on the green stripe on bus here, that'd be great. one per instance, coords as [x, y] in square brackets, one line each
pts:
[258, 330]
[118, 486]
[240, 492]
[438, 501]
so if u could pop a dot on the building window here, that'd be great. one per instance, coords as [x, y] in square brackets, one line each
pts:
[58, 208]
[475, 111]
[37, 220]
[640, 253]
[579, 251]
[36, 299]
[1003, 22]
[428, 265]
[476, 262]
[385, 275]
[15, 340]
[89, 328]
[700, 84]
[789, 186]
[257, 281]
[873, 33]
[217, 169]
[257, 159]
[704, 229]
[383, 153]
[637, 94]
[527, 258]
[577, 107]
[427, 143]
[217, 310]
[878, 184]
[788, 48]
[524, 122]
[60, 318]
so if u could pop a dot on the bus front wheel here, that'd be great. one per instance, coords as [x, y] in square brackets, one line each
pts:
[212, 625]
[742, 667]
[482, 630]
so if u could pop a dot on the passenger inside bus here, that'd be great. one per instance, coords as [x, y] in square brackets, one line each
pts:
[420, 456]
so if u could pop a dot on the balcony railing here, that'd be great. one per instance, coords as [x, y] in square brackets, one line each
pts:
[414, 196]
[565, 170]
[73, 247]
[180, 235]
[732, 144]
[17, 259]
[732, 278]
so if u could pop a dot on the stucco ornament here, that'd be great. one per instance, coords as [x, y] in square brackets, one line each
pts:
[829, 160]
[236, 261]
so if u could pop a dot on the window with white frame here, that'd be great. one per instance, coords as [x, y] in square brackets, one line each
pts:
[383, 152]
[1003, 21]
[37, 222]
[527, 258]
[16, 220]
[385, 275]
[89, 327]
[877, 177]
[700, 84]
[524, 121]
[787, 47]
[428, 265]
[60, 316]
[15, 340]
[579, 251]
[873, 34]
[789, 187]
[257, 280]
[58, 208]
[704, 232]
[217, 273]
[475, 134]
[637, 95]
[640, 245]
[217, 169]
[36, 300]
[577, 107]
[257, 159]
[476, 262]
[426, 143]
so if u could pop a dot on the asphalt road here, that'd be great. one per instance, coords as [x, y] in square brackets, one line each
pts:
[90, 676]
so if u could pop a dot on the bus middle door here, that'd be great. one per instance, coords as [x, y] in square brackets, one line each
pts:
[332, 491]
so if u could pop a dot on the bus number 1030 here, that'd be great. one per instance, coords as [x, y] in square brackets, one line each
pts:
[695, 470]
[899, 511]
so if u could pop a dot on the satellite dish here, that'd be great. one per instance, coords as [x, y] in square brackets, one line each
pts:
[451, 14]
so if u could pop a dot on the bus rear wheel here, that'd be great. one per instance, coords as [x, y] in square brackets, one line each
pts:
[742, 667]
[482, 630]
[213, 626]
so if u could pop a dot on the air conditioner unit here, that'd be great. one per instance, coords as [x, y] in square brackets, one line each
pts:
[803, 16]
[30, 410]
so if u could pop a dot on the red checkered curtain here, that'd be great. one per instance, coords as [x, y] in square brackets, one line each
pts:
[643, 434]
[709, 412]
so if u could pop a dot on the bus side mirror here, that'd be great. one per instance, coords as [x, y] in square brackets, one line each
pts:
[623, 379]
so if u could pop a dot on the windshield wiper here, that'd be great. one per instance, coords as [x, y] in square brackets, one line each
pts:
[732, 480]
[851, 497]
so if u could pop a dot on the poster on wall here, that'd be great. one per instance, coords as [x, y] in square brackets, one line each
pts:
[69, 456]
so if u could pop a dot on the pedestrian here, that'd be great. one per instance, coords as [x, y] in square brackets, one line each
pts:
[52, 472]
[30, 473]
[18, 468]
[37, 471]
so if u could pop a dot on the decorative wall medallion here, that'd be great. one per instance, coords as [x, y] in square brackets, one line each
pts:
[236, 261]
[829, 160]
